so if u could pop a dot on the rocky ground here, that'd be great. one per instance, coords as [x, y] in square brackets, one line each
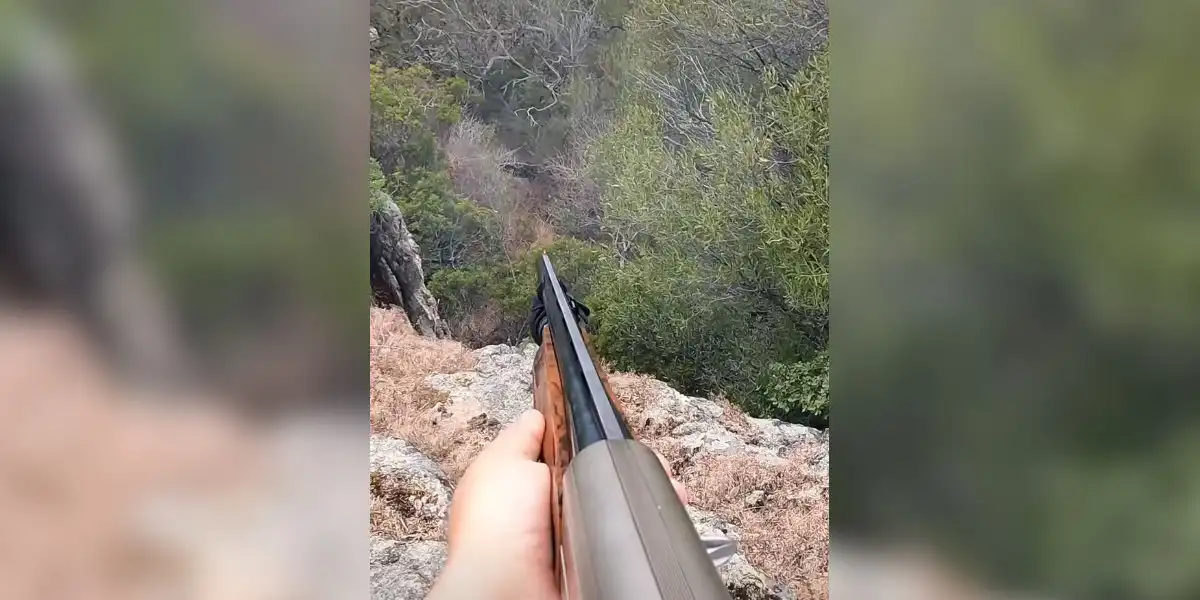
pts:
[434, 404]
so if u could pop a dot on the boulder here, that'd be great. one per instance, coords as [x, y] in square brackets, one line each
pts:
[397, 277]
[700, 426]
[668, 409]
[708, 437]
[779, 436]
[410, 478]
[500, 386]
[404, 570]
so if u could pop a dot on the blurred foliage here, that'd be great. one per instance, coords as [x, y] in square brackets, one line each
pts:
[224, 167]
[1017, 300]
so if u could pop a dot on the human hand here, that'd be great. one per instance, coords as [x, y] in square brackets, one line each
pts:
[500, 532]
[499, 535]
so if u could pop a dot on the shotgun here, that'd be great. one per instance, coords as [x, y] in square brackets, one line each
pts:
[620, 531]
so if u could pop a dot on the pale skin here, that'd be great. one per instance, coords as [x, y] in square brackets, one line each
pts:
[499, 535]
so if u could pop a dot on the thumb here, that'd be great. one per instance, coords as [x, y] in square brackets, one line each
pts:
[521, 440]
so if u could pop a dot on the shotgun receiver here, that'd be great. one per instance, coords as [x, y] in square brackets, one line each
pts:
[620, 530]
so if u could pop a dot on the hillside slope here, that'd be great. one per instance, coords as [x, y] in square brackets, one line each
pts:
[435, 403]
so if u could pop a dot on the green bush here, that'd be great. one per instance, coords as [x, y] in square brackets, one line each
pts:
[673, 320]
[724, 245]
[710, 263]
[408, 108]
[798, 392]
[489, 303]
[451, 231]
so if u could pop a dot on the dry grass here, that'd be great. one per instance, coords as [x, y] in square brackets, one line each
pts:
[541, 233]
[394, 513]
[455, 450]
[786, 532]
[734, 419]
[477, 165]
[397, 351]
[785, 529]
[633, 393]
[402, 404]
[405, 407]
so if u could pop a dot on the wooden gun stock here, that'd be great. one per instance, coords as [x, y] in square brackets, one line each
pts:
[556, 442]
[619, 529]
[556, 445]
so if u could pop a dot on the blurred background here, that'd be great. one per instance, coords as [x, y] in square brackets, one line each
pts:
[182, 310]
[1016, 282]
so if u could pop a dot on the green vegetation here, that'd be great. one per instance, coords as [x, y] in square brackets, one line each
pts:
[685, 202]
[492, 300]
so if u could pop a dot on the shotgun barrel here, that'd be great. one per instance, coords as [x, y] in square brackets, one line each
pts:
[620, 530]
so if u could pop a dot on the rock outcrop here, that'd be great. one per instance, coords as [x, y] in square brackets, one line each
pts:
[497, 390]
[744, 581]
[700, 425]
[500, 386]
[404, 570]
[396, 274]
[409, 481]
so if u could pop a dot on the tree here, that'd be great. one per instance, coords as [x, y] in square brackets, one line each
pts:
[722, 244]
[521, 55]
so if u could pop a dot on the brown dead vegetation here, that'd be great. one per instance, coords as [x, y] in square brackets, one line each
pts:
[782, 511]
[395, 510]
[634, 393]
[402, 404]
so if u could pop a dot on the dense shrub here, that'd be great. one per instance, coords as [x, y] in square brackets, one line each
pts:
[409, 108]
[722, 244]
[676, 322]
[490, 303]
[451, 231]
[799, 391]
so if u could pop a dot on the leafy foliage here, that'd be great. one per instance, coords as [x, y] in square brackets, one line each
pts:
[724, 244]
[798, 391]
[377, 186]
[409, 107]
[451, 231]
[489, 303]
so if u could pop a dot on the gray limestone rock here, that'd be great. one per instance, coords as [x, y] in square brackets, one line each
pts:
[404, 570]
[499, 387]
[397, 464]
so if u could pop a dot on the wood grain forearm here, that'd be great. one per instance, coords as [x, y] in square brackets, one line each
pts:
[556, 442]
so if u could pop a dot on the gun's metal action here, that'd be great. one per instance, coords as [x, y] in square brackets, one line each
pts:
[620, 531]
